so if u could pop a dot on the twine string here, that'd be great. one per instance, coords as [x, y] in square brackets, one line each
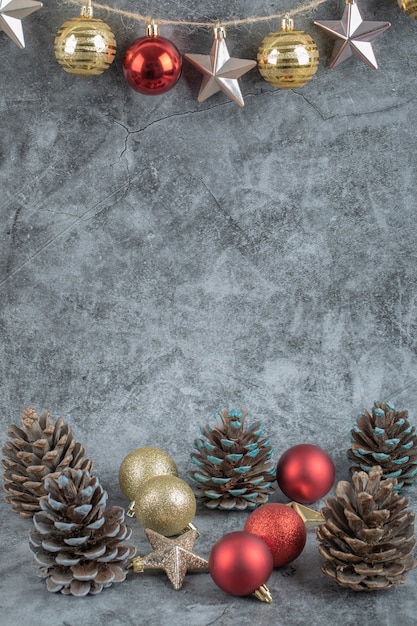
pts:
[303, 8]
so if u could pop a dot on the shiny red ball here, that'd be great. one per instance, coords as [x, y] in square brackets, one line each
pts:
[282, 529]
[305, 473]
[240, 563]
[152, 65]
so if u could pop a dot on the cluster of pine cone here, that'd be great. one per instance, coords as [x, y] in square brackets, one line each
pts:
[367, 537]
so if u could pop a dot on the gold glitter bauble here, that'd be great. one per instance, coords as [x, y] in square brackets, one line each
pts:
[85, 46]
[165, 504]
[141, 465]
[288, 58]
[409, 7]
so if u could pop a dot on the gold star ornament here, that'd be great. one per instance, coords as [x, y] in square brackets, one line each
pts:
[11, 14]
[220, 70]
[353, 36]
[174, 556]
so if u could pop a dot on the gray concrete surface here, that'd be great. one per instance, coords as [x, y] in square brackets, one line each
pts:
[162, 258]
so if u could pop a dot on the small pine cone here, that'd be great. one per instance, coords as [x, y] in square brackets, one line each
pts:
[385, 437]
[368, 534]
[37, 449]
[234, 467]
[77, 543]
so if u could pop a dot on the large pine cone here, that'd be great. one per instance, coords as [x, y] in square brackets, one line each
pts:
[77, 544]
[234, 467]
[368, 534]
[385, 437]
[37, 449]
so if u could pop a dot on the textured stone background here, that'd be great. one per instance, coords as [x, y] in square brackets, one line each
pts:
[162, 258]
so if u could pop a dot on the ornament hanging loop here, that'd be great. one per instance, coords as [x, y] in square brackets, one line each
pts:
[87, 9]
[137, 565]
[193, 527]
[130, 511]
[152, 29]
[287, 23]
[219, 32]
[263, 594]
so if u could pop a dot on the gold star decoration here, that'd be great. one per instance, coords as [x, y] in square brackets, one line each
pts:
[310, 517]
[174, 556]
[220, 70]
[353, 36]
[11, 14]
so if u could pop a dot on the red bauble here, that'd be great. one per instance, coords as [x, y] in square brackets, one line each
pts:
[282, 529]
[152, 65]
[240, 563]
[305, 473]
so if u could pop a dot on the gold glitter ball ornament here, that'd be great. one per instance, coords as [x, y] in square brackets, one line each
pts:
[288, 58]
[165, 504]
[409, 7]
[141, 465]
[85, 46]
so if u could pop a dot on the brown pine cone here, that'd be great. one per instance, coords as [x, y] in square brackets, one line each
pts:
[78, 545]
[37, 449]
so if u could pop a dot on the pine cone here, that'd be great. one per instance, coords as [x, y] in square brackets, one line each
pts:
[384, 437]
[37, 449]
[368, 533]
[77, 544]
[234, 467]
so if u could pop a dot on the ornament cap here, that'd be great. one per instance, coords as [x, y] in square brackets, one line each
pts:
[219, 32]
[130, 511]
[287, 24]
[152, 29]
[263, 594]
[87, 9]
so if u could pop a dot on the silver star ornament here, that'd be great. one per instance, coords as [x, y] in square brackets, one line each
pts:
[353, 36]
[12, 13]
[220, 70]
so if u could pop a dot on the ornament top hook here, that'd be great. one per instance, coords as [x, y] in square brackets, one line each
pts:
[263, 594]
[87, 9]
[152, 28]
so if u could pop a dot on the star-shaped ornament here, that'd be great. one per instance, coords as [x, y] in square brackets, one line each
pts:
[220, 70]
[353, 36]
[174, 556]
[12, 13]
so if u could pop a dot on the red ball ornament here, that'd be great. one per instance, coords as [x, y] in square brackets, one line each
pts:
[240, 563]
[305, 473]
[281, 528]
[152, 64]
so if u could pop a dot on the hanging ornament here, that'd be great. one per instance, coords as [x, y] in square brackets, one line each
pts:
[12, 13]
[234, 467]
[409, 7]
[386, 438]
[220, 70]
[140, 465]
[281, 528]
[165, 504]
[353, 36]
[288, 58]
[84, 45]
[152, 64]
[368, 536]
[305, 473]
[241, 563]
[174, 556]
